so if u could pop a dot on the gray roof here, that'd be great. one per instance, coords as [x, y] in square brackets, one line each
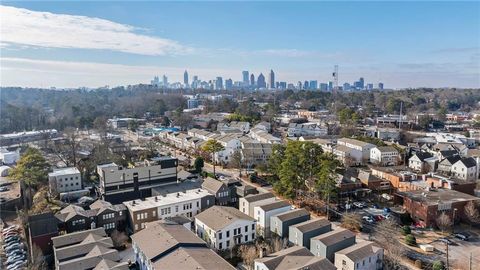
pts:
[274, 260]
[334, 236]
[218, 217]
[469, 162]
[292, 214]
[259, 197]
[212, 185]
[311, 225]
[274, 205]
[423, 155]
[386, 149]
[360, 251]
[304, 263]
[42, 224]
[172, 246]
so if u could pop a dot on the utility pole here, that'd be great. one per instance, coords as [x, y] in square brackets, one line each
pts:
[470, 262]
[448, 265]
[400, 116]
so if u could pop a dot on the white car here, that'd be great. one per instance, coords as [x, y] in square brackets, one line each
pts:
[359, 204]
[368, 219]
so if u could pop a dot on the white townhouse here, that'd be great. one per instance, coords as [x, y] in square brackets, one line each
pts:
[384, 156]
[465, 169]
[247, 204]
[361, 256]
[307, 129]
[263, 212]
[348, 156]
[363, 147]
[224, 227]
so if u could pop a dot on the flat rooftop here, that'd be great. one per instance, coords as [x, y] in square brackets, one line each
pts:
[165, 199]
[434, 197]
[63, 171]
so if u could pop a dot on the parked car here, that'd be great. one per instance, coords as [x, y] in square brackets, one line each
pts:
[12, 227]
[359, 204]
[378, 217]
[462, 236]
[17, 265]
[16, 252]
[3, 189]
[14, 246]
[368, 219]
[12, 238]
[446, 241]
[14, 259]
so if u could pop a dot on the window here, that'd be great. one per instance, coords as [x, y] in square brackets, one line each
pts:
[219, 245]
[136, 227]
[369, 259]
[363, 263]
[246, 228]
[253, 227]
[108, 216]
[76, 184]
[220, 235]
[253, 236]
[78, 222]
[228, 234]
[228, 243]
[176, 208]
[109, 226]
[154, 213]
[198, 204]
[120, 213]
[246, 237]
[138, 217]
[344, 262]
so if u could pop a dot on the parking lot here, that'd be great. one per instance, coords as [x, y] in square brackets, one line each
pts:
[13, 251]
[460, 252]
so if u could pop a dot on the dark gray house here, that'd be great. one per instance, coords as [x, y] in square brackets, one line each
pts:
[301, 233]
[101, 214]
[217, 189]
[325, 245]
[280, 223]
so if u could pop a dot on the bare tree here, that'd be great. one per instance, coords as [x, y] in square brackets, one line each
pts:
[236, 161]
[66, 149]
[394, 250]
[119, 238]
[444, 222]
[351, 221]
[277, 244]
[471, 212]
[37, 262]
[248, 253]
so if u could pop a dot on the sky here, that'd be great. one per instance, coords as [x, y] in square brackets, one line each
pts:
[93, 44]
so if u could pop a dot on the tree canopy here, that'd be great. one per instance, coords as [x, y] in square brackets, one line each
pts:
[32, 168]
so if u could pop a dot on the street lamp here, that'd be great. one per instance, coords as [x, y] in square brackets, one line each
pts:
[454, 216]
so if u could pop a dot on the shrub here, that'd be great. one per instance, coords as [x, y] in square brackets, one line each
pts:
[438, 265]
[418, 264]
[410, 240]
[406, 230]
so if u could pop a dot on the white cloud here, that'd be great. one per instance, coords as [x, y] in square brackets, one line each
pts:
[44, 29]
[26, 72]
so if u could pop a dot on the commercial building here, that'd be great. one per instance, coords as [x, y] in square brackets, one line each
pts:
[224, 227]
[65, 180]
[188, 203]
[118, 184]
[86, 250]
[361, 256]
[170, 246]
[425, 206]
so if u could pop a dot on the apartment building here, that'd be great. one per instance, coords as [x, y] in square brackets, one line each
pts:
[65, 180]
[384, 156]
[262, 214]
[188, 203]
[224, 227]
[118, 184]
[293, 258]
[358, 145]
[280, 223]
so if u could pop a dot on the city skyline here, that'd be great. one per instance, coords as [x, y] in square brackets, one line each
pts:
[95, 44]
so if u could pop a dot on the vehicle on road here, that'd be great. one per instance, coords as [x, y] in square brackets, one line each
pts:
[3, 189]
[359, 204]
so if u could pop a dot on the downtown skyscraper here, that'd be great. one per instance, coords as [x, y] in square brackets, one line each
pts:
[271, 79]
[261, 81]
[185, 78]
[245, 74]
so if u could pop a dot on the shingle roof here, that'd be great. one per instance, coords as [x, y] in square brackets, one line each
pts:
[469, 162]
[305, 262]
[311, 225]
[334, 236]
[259, 197]
[218, 217]
[212, 185]
[451, 159]
[274, 205]
[292, 214]
[193, 259]
[423, 155]
[360, 251]
[386, 149]
[273, 260]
